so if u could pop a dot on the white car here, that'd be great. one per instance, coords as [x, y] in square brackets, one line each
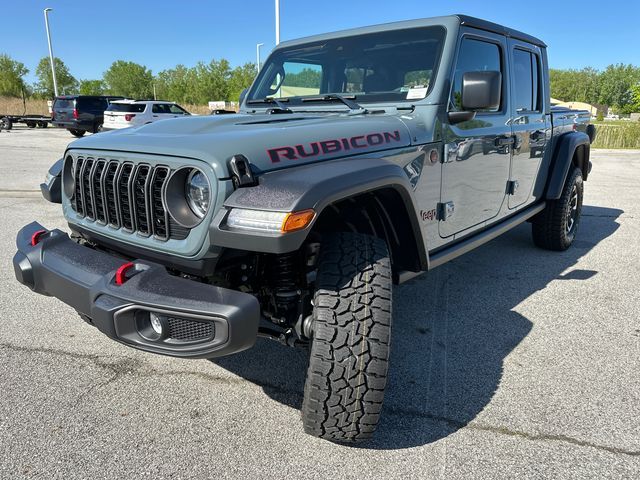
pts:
[133, 113]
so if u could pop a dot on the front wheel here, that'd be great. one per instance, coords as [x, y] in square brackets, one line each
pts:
[556, 226]
[350, 348]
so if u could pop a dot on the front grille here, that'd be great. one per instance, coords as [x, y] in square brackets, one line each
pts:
[189, 330]
[125, 196]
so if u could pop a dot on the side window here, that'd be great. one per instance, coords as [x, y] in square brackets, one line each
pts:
[526, 72]
[176, 110]
[474, 56]
[159, 108]
[299, 79]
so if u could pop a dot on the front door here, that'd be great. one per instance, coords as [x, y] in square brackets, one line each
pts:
[477, 152]
[530, 125]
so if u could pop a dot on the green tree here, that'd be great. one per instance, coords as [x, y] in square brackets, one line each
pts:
[129, 79]
[210, 81]
[11, 73]
[635, 98]
[576, 85]
[91, 87]
[241, 77]
[174, 84]
[67, 84]
[616, 83]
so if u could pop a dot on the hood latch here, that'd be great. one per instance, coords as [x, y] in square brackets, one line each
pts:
[241, 173]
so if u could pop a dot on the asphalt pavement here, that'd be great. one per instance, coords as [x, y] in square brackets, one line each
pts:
[509, 362]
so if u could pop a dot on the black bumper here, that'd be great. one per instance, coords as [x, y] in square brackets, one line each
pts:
[225, 321]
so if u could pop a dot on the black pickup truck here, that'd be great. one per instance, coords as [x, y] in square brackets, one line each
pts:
[359, 160]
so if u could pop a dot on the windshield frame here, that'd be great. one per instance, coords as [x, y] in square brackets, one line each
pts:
[279, 57]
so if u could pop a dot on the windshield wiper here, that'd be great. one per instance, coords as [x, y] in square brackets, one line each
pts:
[273, 101]
[353, 106]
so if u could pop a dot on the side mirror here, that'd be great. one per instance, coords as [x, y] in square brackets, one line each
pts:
[481, 91]
[243, 94]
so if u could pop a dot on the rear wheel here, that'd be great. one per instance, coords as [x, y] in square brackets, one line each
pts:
[31, 124]
[350, 348]
[6, 123]
[97, 128]
[76, 133]
[555, 227]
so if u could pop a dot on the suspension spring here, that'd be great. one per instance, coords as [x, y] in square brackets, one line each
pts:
[287, 292]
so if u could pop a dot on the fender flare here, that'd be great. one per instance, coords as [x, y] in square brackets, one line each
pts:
[51, 189]
[563, 159]
[313, 186]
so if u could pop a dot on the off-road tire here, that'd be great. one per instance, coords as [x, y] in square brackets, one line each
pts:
[76, 133]
[555, 227]
[350, 348]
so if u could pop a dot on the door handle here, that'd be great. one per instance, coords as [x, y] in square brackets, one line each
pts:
[538, 134]
[503, 141]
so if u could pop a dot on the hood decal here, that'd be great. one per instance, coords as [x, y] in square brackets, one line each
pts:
[337, 145]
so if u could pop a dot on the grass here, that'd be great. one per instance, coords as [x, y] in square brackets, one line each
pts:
[14, 106]
[617, 135]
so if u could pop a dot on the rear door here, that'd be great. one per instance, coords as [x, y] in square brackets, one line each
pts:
[162, 111]
[124, 115]
[531, 126]
[63, 109]
[477, 152]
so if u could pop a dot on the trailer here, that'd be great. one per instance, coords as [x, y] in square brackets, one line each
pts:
[32, 121]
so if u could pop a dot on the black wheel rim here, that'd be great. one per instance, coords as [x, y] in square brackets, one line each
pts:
[572, 214]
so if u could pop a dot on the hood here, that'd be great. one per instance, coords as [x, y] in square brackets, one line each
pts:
[268, 141]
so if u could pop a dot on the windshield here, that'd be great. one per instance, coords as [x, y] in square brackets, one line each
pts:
[380, 67]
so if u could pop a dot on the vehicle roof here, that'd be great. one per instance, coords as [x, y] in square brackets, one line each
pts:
[69, 97]
[130, 101]
[463, 20]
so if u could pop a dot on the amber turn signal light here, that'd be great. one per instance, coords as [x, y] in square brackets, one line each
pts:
[297, 220]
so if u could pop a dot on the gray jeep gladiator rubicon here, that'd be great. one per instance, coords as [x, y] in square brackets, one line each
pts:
[358, 160]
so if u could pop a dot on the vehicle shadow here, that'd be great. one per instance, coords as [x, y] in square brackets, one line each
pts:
[452, 331]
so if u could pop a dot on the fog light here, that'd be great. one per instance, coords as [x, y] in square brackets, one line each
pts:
[156, 323]
[151, 326]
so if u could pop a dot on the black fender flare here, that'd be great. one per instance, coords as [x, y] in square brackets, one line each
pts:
[313, 186]
[563, 159]
[51, 189]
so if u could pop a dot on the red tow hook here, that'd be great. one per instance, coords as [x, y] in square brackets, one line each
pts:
[35, 238]
[121, 273]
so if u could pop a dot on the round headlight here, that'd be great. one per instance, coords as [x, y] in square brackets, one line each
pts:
[198, 192]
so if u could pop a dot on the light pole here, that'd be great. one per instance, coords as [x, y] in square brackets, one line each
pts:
[277, 22]
[53, 69]
[258, 45]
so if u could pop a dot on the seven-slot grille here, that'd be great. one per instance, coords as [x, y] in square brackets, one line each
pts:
[124, 195]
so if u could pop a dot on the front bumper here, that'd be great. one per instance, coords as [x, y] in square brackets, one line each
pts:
[226, 320]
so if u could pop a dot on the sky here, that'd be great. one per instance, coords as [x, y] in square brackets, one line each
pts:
[89, 35]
